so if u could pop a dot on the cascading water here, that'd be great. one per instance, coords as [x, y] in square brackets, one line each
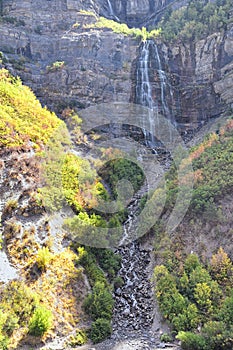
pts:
[163, 82]
[143, 89]
[147, 94]
[165, 87]
[143, 86]
[111, 12]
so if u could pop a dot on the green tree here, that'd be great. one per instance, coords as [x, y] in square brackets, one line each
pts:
[218, 336]
[202, 295]
[191, 341]
[18, 300]
[100, 330]
[226, 312]
[99, 304]
[199, 275]
[191, 263]
[40, 322]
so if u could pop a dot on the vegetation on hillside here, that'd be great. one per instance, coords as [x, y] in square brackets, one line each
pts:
[22, 119]
[197, 300]
[118, 169]
[196, 20]
[194, 294]
[21, 310]
[99, 303]
[212, 163]
[122, 28]
[49, 293]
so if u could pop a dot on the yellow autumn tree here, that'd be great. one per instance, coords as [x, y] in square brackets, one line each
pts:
[221, 267]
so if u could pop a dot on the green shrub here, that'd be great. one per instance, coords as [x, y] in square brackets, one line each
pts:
[40, 322]
[100, 330]
[226, 311]
[58, 65]
[88, 261]
[218, 335]
[3, 342]
[109, 261]
[11, 323]
[122, 169]
[18, 300]
[80, 338]
[99, 304]
[191, 263]
[165, 337]
[191, 341]
[44, 257]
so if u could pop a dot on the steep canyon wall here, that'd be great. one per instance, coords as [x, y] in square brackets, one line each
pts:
[100, 65]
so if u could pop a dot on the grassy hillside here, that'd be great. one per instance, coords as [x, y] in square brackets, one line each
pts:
[194, 276]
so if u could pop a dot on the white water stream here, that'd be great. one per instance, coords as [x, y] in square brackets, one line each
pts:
[111, 12]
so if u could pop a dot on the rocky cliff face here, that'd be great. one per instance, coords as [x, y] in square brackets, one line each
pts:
[201, 76]
[97, 63]
[137, 13]
[100, 66]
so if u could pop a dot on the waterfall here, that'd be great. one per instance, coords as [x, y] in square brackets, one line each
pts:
[146, 94]
[164, 85]
[111, 12]
[143, 88]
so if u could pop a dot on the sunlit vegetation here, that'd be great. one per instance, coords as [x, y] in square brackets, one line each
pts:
[122, 28]
[60, 289]
[40, 322]
[21, 312]
[79, 338]
[22, 119]
[80, 183]
[44, 257]
[197, 299]
[196, 20]
[54, 291]
[212, 163]
[55, 66]
[193, 295]
[52, 277]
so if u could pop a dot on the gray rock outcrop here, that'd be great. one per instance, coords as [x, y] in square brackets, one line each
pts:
[100, 65]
